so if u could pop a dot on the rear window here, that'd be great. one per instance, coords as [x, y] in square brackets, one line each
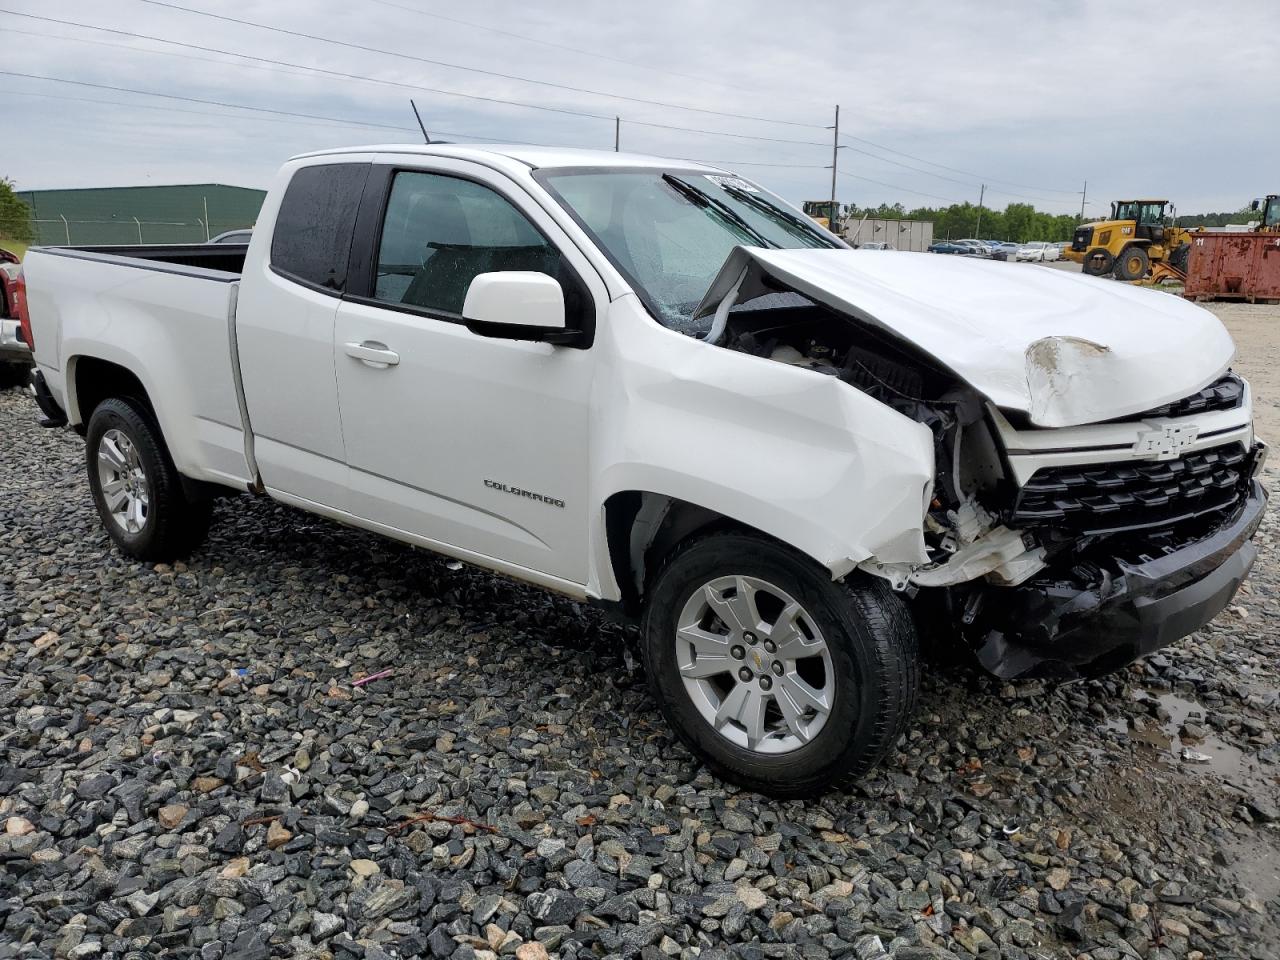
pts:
[311, 242]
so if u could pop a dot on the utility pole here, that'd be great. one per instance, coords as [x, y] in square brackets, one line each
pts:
[617, 133]
[1083, 193]
[835, 160]
[977, 231]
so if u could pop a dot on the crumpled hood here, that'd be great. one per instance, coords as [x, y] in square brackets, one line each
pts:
[1063, 348]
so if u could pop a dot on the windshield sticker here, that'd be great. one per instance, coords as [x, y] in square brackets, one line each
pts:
[733, 183]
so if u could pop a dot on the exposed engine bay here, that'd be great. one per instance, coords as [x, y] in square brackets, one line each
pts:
[963, 527]
[1029, 571]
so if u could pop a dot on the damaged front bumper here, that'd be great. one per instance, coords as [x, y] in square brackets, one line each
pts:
[1069, 626]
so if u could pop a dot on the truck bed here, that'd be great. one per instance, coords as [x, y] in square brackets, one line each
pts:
[225, 258]
[166, 312]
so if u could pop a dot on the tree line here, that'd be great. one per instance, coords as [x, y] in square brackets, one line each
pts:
[15, 215]
[1018, 222]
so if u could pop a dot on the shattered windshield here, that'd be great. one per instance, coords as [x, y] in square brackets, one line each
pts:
[669, 232]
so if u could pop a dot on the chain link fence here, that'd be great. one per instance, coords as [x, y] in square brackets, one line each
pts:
[120, 230]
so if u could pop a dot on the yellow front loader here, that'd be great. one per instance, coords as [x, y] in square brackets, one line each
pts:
[1137, 242]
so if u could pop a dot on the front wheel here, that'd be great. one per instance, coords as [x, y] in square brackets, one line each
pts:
[781, 680]
[1132, 264]
[136, 487]
[1098, 262]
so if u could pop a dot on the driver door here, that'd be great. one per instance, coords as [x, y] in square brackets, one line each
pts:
[473, 444]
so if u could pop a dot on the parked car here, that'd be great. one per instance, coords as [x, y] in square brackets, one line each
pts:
[15, 355]
[233, 236]
[950, 246]
[1053, 251]
[977, 248]
[877, 245]
[1004, 251]
[1032, 251]
[766, 457]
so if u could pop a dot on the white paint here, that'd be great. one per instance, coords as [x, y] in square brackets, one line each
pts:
[516, 298]
[1064, 348]
[504, 452]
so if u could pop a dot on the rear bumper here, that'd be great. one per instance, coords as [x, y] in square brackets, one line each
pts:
[1068, 629]
[12, 347]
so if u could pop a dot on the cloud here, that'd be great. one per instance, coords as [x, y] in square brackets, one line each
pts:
[1032, 99]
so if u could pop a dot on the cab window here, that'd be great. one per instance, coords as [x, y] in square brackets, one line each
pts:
[439, 232]
[1151, 213]
[311, 241]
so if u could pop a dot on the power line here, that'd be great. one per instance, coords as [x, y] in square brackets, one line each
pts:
[647, 67]
[757, 163]
[939, 176]
[275, 64]
[232, 116]
[894, 186]
[457, 66]
[273, 113]
[9, 91]
[134, 49]
[976, 176]
[282, 116]
[293, 69]
[213, 103]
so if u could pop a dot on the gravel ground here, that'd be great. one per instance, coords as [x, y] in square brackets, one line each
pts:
[188, 768]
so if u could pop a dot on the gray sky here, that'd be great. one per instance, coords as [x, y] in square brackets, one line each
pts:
[1031, 97]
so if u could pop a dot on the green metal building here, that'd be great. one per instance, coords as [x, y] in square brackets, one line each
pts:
[185, 213]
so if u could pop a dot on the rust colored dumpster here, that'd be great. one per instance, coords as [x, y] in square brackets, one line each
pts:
[1233, 266]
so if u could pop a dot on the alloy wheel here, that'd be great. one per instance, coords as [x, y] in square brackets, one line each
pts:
[125, 488]
[754, 664]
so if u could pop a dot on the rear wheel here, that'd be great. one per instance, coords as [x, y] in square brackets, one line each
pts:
[136, 487]
[781, 680]
[1132, 264]
[1180, 257]
[1098, 262]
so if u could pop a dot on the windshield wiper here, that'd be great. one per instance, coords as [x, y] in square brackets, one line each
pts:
[769, 210]
[700, 199]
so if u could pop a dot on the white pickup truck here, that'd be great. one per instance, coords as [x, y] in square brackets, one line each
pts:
[654, 385]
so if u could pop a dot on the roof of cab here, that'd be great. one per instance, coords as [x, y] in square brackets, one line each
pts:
[528, 154]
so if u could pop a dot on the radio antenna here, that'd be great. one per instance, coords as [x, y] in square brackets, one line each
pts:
[417, 116]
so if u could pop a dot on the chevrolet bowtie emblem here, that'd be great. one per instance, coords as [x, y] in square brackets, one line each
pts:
[1167, 440]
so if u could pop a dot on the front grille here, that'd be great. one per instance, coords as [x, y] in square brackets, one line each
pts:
[1142, 495]
[1081, 239]
[1225, 393]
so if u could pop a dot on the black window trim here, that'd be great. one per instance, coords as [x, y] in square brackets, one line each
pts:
[303, 281]
[367, 240]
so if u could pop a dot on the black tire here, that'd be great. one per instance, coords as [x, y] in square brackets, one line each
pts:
[173, 525]
[873, 648]
[1180, 257]
[1132, 264]
[1098, 262]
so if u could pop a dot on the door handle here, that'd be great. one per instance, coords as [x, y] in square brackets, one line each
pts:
[373, 354]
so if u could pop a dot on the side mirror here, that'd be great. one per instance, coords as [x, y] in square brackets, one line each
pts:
[516, 305]
[1255, 205]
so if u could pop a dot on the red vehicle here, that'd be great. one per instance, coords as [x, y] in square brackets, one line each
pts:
[15, 338]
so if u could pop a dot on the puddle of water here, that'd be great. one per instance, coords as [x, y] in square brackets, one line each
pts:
[1210, 754]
